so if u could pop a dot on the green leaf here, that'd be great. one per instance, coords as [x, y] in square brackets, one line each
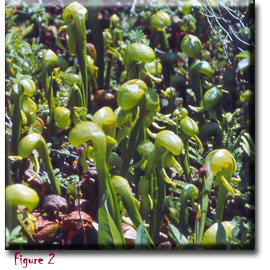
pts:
[115, 161]
[49, 60]
[122, 116]
[108, 234]
[165, 118]
[71, 190]
[18, 32]
[19, 240]
[218, 234]
[75, 99]
[221, 237]
[114, 52]
[172, 163]
[179, 183]
[202, 67]
[199, 143]
[249, 225]
[206, 194]
[62, 117]
[122, 187]
[174, 214]
[247, 144]
[146, 147]
[71, 38]
[249, 206]
[152, 100]
[25, 48]
[243, 64]
[81, 111]
[226, 184]
[141, 242]
[196, 109]
[78, 13]
[15, 158]
[15, 231]
[178, 237]
[235, 232]
[8, 237]
[244, 54]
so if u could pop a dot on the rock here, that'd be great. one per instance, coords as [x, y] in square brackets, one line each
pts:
[55, 203]
[164, 246]
[75, 222]
[46, 229]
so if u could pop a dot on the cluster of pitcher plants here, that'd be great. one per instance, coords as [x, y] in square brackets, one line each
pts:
[148, 120]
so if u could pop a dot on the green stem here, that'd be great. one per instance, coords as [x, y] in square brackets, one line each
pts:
[16, 124]
[144, 207]
[195, 83]
[134, 138]
[75, 98]
[51, 123]
[105, 185]
[33, 158]
[138, 171]
[149, 174]
[153, 39]
[183, 217]
[206, 191]
[133, 70]
[154, 196]
[81, 53]
[97, 35]
[11, 220]
[162, 37]
[186, 162]
[159, 209]
[46, 161]
[221, 197]
[108, 72]
[150, 165]
[7, 162]
[197, 229]
[185, 159]
[177, 126]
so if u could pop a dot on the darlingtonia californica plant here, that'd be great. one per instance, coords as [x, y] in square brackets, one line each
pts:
[19, 195]
[221, 166]
[24, 109]
[110, 233]
[74, 17]
[191, 46]
[37, 142]
[133, 123]
[166, 143]
[159, 23]
[135, 56]
[135, 96]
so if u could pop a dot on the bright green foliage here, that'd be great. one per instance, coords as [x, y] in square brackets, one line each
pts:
[18, 194]
[146, 123]
[160, 20]
[191, 46]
